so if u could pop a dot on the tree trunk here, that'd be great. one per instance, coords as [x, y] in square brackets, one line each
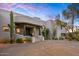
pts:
[73, 24]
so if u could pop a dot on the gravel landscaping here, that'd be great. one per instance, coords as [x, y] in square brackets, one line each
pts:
[45, 48]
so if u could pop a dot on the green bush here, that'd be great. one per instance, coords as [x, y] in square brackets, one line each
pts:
[76, 34]
[23, 40]
[73, 36]
[69, 36]
[45, 33]
[19, 40]
[77, 37]
[27, 39]
[61, 38]
[53, 38]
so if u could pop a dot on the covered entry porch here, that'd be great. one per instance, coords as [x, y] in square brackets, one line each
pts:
[29, 30]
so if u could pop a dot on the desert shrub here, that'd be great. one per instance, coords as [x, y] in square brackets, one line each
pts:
[4, 41]
[73, 36]
[23, 40]
[69, 36]
[53, 38]
[56, 38]
[27, 39]
[61, 38]
[19, 40]
[77, 37]
[45, 33]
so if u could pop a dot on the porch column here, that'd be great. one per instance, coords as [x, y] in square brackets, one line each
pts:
[40, 31]
[34, 31]
[24, 32]
[34, 35]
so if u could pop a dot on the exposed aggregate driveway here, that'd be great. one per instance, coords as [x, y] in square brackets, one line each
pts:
[45, 48]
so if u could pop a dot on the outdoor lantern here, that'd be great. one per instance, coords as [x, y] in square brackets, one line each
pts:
[18, 30]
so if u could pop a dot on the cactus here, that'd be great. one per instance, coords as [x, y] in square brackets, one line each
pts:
[11, 26]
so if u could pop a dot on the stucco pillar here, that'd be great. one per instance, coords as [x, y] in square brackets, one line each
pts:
[24, 32]
[33, 39]
[34, 31]
[34, 35]
[58, 34]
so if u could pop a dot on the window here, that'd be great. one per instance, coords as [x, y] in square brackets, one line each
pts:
[5, 28]
[39, 32]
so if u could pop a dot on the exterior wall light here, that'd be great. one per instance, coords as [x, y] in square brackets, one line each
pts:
[18, 30]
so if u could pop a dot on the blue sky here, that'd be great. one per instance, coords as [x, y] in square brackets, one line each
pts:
[45, 11]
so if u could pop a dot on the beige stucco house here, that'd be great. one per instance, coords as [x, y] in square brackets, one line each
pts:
[27, 26]
[54, 30]
[24, 25]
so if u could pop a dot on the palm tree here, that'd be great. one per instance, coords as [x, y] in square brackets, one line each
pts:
[59, 22]
[77, 9]
[70, 13]
[76, 5]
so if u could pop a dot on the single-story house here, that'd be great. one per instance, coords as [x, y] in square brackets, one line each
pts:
[26, 26]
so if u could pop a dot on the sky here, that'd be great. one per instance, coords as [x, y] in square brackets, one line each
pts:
[45, 11]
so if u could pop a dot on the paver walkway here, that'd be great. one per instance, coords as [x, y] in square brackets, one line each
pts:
[45, 48]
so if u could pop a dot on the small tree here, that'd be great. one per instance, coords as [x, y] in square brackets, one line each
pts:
[71, 13]
[45, 33]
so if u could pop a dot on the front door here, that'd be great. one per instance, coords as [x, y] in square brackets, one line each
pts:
[29, 31]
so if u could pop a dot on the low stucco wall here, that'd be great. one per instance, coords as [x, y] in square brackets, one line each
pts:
[37, 39]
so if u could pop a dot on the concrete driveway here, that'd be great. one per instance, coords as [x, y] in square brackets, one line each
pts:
[45, 48]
